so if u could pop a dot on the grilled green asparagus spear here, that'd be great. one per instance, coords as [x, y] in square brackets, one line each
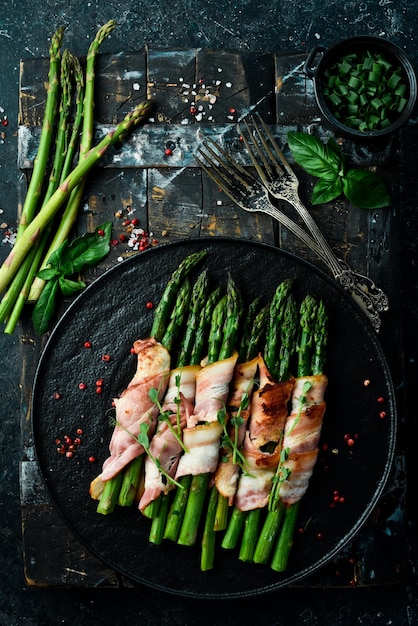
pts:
[198, 299]
[276, 313]
[162, 312]
[202, 330]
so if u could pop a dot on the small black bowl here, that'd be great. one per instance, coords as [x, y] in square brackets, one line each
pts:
[321, 60]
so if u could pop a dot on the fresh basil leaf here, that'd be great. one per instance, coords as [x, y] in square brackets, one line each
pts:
[365, 189]
[48, 273]
[45, 309]
[335, 155]
[87, 250]
[311, 154]
[69, 287]
[324, 191]
[56, 256]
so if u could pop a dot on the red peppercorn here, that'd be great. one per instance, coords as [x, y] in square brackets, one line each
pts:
[69, 454]
[57, 395]
[99, 382]
[5, 122]
[135, 221]
[99, 390]
[122, 237]
[77, 441]
[82, 385]
[79, 431]
[350, 442]
[168, 152]
[382, 414]
[149, 305]
[67, 439]
[380, 400]
[87, 344]
[319, 535]
[100, 232]
[91, 459]
[106, 357]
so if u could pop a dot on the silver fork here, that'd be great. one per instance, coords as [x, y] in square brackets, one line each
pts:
[246, 191]
[253, 195]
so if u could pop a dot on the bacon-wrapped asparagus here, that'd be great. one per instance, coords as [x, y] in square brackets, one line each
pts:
[303, 427]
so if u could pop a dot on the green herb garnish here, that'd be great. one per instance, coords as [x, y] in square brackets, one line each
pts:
[64, 263]
[363, 188]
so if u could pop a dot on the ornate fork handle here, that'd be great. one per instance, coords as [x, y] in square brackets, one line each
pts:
[370, 298]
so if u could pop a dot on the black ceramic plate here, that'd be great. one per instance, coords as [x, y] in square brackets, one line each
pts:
[111, 314]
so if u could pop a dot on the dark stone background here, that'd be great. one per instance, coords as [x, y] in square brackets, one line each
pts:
[25, 31]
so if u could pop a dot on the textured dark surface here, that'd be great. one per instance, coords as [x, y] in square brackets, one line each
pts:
[25, 30]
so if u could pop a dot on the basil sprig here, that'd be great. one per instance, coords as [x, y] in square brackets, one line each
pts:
[363, 188]
[64, 263]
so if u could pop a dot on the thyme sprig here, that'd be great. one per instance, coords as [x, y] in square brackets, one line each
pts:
[231, 443]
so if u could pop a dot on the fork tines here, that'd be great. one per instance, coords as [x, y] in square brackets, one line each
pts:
[229, 175]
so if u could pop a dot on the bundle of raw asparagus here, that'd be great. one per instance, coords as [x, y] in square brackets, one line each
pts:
[230, 434]
[65, 156]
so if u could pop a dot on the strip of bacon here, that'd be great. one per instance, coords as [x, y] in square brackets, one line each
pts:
[227, 472]
[262, 444]
[202, 434]
[301, 436]
[165, 446]
[134, 406]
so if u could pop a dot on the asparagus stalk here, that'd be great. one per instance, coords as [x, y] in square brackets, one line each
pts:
[202, 330]
[249, 539]
[19, 290]
[247, 327]
[276, 313]
[67, 219]
[198, 299]
[222, 338]
[207, 554]
[178, 506]
[178, 316]
[162, 312]
[288, 334]
[312, 349]
[41, 160]
[217, 512]
[34, 229]
[159, 521]
[130, 482]
[71, 211]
